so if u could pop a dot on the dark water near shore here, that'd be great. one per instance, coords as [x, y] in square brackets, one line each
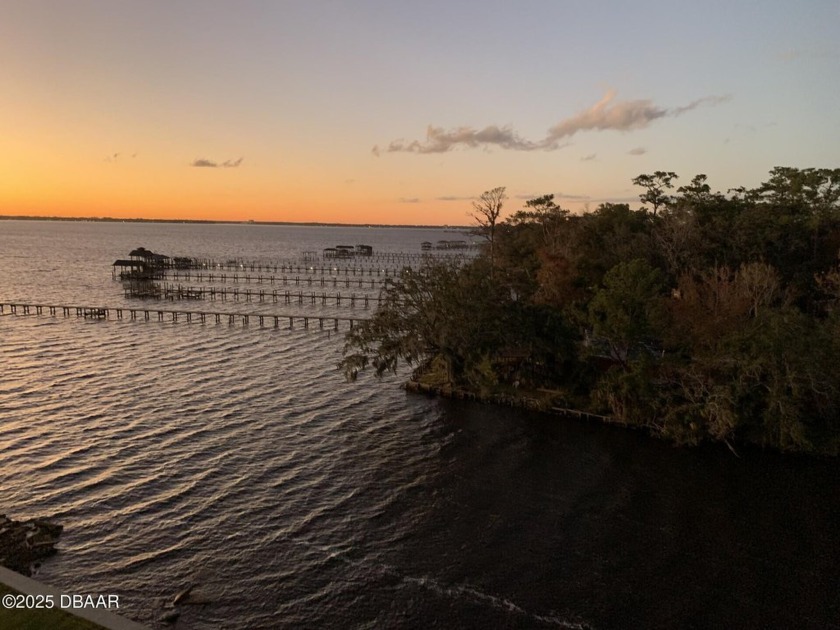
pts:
[240, 460]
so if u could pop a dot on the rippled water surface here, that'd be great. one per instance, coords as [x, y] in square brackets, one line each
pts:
[239, 460]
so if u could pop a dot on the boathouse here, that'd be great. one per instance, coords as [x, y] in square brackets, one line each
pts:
[127, 268]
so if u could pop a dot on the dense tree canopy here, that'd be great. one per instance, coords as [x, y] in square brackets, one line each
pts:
[701, 315]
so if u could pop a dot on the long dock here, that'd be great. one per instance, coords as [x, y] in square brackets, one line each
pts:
[334, 270]
[359, 262]
[270, 320]
[173, 292]
[324, 281]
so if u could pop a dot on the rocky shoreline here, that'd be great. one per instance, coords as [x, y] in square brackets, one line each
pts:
[24, 543]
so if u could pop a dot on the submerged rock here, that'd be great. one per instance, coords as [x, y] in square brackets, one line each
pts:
[23, 543]
[170, 617]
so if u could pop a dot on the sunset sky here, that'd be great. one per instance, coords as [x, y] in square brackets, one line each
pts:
[401, 112]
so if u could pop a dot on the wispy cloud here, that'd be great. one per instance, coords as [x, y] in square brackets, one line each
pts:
[409, 200]
[203, 163]
[589, 158]
[637, 151]
[454, 198]
[606, 114]
[558, 195]
[706, 100]
[439, 140]
[571, 197]
[117, 157]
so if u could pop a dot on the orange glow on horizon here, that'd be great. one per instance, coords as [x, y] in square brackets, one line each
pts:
[50, 184]
[58, 201]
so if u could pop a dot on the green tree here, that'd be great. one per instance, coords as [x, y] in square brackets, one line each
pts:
[814, 190]
[524, 238]
[720, 313]
[655, 187]
[543, 213]
[612, 234]
[698, 191]
[774, 381]
[627, 310]
[441, 311]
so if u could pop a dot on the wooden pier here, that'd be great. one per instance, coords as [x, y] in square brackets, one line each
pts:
[285, 267]
[323, 281]
[380, 259]
[173, 292]
[265, 320]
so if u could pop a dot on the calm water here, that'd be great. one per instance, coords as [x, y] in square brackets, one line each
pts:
[240, 461]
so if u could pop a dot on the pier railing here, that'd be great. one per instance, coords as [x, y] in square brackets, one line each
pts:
[395, 258]
[329, 270]
[271, 320]
[322, 281]
[223, 294]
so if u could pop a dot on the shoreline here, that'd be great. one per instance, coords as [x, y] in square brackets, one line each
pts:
[528, 403]
[545, 406]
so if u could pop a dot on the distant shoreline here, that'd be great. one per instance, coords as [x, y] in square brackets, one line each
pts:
[211, 222]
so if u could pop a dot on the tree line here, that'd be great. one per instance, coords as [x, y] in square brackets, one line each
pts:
[700, 315]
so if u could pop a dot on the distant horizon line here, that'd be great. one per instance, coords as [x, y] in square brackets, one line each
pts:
[24, 217]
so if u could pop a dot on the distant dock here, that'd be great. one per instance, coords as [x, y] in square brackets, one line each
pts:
[308, 280]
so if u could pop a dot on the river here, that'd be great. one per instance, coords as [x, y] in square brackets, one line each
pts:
[237, 459]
